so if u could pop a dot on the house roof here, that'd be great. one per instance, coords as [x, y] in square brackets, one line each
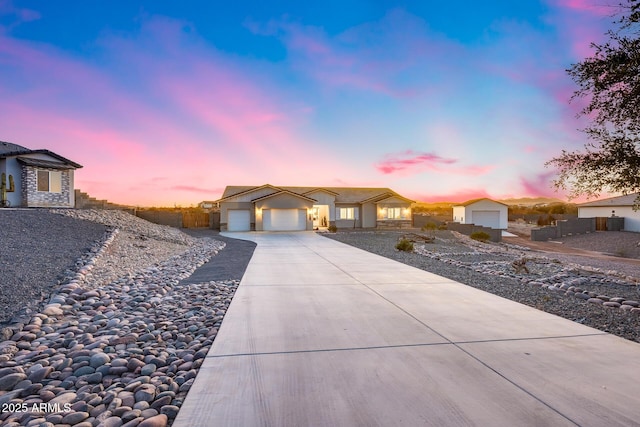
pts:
[472, 201]
[8, 149]
[343, 194]
[279, 193]
[42, 163]
[626, 200]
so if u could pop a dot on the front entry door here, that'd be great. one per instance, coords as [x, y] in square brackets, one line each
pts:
[315, 212]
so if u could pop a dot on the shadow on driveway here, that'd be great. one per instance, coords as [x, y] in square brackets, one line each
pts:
[229, 264]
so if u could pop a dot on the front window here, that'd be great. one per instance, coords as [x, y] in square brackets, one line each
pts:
[394, 213]
[50, 181]
[347, 213]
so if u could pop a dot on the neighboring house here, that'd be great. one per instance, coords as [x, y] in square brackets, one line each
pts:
[621, 206]
[271, 208]
[36, 178]
[485, 212]
[206, 204]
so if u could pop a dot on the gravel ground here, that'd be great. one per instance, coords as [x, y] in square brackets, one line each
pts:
[31, 265]
[121, 339]
[487, 266]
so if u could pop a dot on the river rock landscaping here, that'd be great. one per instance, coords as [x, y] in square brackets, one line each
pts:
[602, 294]
[119, 340]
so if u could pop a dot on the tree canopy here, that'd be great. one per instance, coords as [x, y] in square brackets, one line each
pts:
[610, 82]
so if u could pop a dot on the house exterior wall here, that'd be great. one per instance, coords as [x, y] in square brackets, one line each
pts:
[459, 214]
[33, 198]
[323, 198]
[348, 223]
[383, 219]
[281, 201]
[224, 213]
[631, 217]
[13, 168]
[369, 215]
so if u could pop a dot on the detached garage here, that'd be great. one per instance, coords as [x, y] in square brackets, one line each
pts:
[484, 212]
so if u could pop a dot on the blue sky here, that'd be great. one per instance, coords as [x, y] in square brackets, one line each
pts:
[167, 103]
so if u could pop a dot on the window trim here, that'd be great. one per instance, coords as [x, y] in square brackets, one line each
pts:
[50, 188]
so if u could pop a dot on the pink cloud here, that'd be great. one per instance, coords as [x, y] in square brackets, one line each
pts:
[410, 161]
[595, 7]
[183, 123]
[539, 185]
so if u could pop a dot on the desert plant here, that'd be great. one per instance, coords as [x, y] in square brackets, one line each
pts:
[430, 229]
[480, 236]
[404, 245]
[332, 228]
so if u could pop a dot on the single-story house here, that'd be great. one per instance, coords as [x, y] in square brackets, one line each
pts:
[35, 178]
[621, 206]
[485, 212]
[207, 204]
[271, 208]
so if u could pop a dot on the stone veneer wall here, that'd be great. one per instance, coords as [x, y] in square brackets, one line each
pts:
[33, 198]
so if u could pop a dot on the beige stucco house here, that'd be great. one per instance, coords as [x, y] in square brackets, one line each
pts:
[271, 208]
[35, 178]
[484, 212]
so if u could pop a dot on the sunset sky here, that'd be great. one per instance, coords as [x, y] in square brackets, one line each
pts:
[166, 103]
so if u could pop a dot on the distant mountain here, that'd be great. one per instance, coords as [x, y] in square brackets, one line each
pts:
[532, 201]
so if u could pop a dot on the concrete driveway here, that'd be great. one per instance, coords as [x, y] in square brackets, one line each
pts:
[323, 334]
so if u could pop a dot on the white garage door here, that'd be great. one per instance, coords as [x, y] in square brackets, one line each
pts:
[284, 219]
[487, 218]
[238, 220]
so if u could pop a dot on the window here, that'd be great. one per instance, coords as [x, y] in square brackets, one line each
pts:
[346, 213]
[394, 213]
[49, 181]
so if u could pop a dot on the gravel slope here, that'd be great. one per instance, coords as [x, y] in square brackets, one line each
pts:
[37, 248]
[489, 269]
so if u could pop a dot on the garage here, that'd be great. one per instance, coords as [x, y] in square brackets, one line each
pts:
[238, 220]
[486, 218]
[284, 219]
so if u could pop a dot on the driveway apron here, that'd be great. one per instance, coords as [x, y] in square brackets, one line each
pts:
[323, 334]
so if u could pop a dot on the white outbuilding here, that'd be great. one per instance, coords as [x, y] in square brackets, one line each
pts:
[621, 206]
[485, 212]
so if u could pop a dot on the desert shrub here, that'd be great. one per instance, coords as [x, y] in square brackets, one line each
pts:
[480, 236]
[332, 228]
[442, 226]
[430, 226]
[404, 245]
[548, 220]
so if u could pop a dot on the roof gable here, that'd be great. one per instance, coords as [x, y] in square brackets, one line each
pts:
[8, 149]
[342, 194]
[324, 190]
[473, 201]
[236, 190]
[283, 192]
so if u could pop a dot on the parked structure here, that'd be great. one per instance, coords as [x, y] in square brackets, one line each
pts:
[616, 207]
[271, 208]
[484, 212]
[35, 178]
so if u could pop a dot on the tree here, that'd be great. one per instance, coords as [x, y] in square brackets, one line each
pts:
[610, 80]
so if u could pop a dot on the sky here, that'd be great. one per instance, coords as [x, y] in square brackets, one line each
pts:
[165, 103]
